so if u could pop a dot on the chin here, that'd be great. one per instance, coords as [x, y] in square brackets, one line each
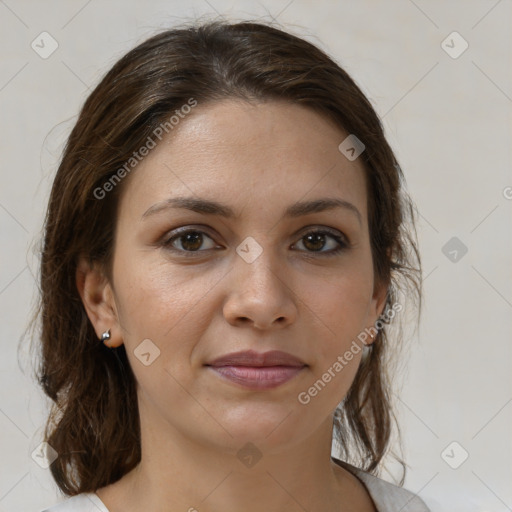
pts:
[268, 426]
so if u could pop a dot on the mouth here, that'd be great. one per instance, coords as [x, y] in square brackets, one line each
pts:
[263, 377]
[257, 371]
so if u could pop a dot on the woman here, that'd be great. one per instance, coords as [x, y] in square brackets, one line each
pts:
[224, 245]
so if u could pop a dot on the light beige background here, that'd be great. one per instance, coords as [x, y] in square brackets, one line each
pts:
[449, 120]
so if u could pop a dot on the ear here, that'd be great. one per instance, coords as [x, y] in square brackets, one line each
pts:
[378, 303]
[98, 300]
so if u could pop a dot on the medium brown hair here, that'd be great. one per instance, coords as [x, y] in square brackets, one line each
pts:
[93, 387]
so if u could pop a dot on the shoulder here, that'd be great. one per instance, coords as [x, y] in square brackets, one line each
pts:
[386, 496]
[85, 502]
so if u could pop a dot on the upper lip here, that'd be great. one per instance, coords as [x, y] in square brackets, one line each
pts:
[256, 359]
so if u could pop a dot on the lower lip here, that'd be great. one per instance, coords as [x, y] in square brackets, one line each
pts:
[266, 377]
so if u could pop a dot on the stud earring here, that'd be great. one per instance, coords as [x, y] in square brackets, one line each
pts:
[367, 345]
[105, 336]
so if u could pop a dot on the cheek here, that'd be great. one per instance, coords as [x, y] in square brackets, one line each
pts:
[340, 306]
[161, 302]
[341, 312]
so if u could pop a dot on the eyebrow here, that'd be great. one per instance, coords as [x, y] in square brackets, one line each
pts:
[208, 207]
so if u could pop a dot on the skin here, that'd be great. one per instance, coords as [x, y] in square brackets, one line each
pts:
[258, 158]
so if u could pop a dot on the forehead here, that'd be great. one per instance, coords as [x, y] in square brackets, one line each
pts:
[238, 152]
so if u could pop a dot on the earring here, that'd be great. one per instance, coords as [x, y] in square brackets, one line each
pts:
[105, 336]
[367, 345]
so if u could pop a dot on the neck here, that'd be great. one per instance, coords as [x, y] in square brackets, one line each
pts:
[180, 473]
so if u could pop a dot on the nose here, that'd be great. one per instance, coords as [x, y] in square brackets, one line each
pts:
[260, 295]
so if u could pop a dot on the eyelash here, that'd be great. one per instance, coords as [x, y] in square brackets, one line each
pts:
[342, 243]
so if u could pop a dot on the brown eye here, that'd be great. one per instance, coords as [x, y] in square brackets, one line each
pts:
[315, 241]
[190, 240]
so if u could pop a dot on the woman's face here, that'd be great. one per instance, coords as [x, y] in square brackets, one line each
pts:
[250, 275]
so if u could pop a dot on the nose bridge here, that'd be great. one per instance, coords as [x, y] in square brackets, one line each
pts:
[259, 291]
[259, 267]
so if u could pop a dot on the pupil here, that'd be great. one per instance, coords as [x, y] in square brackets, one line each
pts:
[192, 241]
[317, 239]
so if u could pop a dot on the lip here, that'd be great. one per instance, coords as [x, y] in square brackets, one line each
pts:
[255, 370]
[258, 359]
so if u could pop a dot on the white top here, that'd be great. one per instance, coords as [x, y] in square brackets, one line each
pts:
[85, 502]
[386, 496]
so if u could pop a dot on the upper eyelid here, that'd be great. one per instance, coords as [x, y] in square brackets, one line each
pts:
[334, 233]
